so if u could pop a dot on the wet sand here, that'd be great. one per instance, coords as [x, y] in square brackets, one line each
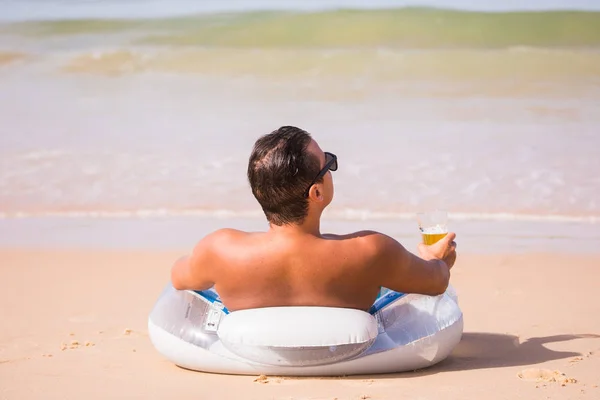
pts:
[74, 326]
[9, 57]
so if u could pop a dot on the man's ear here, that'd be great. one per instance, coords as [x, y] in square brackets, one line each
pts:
[318, 193]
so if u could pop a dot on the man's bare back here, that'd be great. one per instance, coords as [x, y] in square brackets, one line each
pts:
[293, 264]
[251, 270]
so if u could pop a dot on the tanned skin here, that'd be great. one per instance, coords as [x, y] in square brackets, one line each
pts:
[297, 265]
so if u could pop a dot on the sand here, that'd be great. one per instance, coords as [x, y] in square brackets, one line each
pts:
[74, 326]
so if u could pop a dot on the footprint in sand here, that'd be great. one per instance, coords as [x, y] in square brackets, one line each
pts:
[545, 375]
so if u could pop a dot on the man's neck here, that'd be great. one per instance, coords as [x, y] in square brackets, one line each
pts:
[310, 226]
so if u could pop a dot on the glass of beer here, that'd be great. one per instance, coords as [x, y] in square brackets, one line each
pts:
[433, 225]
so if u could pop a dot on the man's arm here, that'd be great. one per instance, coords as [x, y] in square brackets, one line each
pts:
[196, 271]
[405, 272]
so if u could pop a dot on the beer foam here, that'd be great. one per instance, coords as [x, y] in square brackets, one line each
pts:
[434, 230]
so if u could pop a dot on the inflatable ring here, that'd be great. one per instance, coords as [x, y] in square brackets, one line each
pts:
[401, 332]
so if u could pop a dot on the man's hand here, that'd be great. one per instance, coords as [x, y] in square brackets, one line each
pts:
[444, 249]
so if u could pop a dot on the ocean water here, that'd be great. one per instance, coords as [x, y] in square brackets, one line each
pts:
[493, 116]
[18, 10]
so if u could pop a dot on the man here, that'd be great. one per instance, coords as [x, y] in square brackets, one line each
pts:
[293, 263]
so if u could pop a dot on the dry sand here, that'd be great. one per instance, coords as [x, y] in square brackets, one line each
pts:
[74, 326]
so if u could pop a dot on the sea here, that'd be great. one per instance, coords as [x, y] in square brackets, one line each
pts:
[129, 123]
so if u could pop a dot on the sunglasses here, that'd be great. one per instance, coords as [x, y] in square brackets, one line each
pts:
[331, 164]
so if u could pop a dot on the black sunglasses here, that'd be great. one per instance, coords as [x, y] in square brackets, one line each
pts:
[331, 164]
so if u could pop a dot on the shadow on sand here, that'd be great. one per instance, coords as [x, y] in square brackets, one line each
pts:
[492, 350]
[478, 350]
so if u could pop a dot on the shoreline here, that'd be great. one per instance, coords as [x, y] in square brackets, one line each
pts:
[177, 233]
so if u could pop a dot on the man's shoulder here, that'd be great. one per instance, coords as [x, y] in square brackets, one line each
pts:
[365, 236]
[221, 238]
[370, 241]
[228, 233]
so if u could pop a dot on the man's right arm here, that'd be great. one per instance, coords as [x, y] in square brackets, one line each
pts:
[402, 271]
[198, 270]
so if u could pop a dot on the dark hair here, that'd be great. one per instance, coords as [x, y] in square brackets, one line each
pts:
[279, 171]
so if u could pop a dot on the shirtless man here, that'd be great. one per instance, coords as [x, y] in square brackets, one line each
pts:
[293, 263]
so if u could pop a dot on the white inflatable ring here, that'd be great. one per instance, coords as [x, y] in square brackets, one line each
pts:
[401, 332]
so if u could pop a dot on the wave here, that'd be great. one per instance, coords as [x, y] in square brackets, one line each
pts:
[408, 28]
[347, 214]
[362, 66]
